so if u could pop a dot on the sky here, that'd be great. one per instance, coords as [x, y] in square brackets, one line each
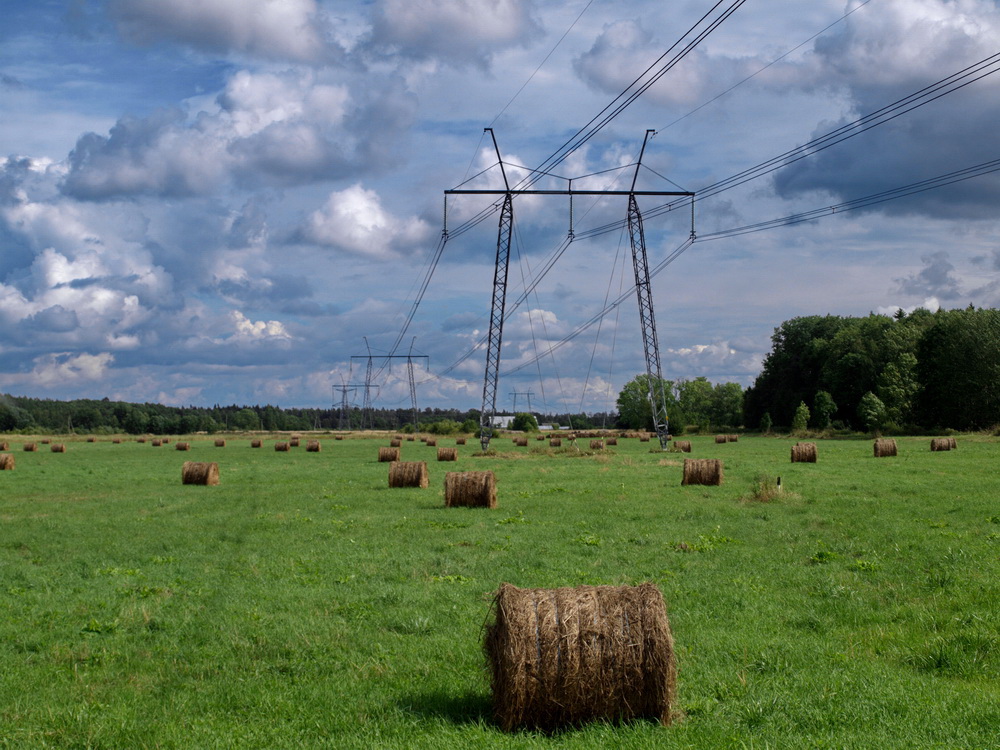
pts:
[236, 201]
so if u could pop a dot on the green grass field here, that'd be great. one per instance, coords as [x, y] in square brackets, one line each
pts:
[303, 603]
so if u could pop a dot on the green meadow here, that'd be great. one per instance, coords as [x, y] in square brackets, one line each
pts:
[303, 603]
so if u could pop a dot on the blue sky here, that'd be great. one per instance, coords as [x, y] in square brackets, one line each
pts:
[218, 201]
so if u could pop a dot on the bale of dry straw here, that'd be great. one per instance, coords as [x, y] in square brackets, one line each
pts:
[707, 471]
[596, 445]
[313, 446]
[408, 474]
[732, 438]
[30, 447]
[91, 440]
[293, 442]
[804, 453]
[183, 446]
[411, 439]
[395, 443]
[644, 438]
[563, 657]
[447, 454]
[470, 489]
[281, 447]
[540, 438]
[884, 447]
[431, 442]
[611, 441]
[521, 442]
[3, 445]
[140, 440]
[166, 441]
[720, 439]
[386, 455]
[200, 472]
[954, 443]
[6, 462]
[459, 441]
[555, 442]
[116, 441]
[941, 444]
[339, 437]
[58, 448]
[156, 442]
[45, 441]
[684, 446]
[220, 443]
[256, 443]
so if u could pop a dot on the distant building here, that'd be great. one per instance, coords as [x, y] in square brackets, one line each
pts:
[502, 421]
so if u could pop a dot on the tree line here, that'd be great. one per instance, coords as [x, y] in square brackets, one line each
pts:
[903, 373]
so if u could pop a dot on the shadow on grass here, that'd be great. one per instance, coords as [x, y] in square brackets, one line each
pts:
[467, 708]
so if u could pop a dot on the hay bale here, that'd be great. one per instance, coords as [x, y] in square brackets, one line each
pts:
[45, 441]
[596, 445]
[156, 442]
[884, 447]
[431, 442]
[183, 446]
[563, 657]
[338, 437]
[199, 472]
[732, 438]
[57, 448]
[395, 443]
[683, 446]
[30, 447]
[256, 443]
[116, 441]
[720, 439]
[540, 438]
[470, 489]
[804, 453]
[220, 443]
[411, 439]
[386, 455]
[611, 441]
[293, 442]
[281, 447]
[555, 442]
[140, 440]
[447, 454]
[312, 446]
[521, 442]
[408, 474]
[459, 441]
[91, 440]
[941, 444]
[954, 443]
[644, 438]
[166, 441]
[3, 445]
[707, 471]
[6, 461]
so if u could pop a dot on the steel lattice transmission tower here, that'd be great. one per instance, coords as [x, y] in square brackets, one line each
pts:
[650, 344]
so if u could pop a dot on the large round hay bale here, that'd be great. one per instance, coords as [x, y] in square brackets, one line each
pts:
[596, 445]
[563, 657]
[721, 439]
[58, 447]
[732, 438]
[683, 446]
[200, 472]
[555, 442]
[91, 440]
[459, 441]
[447, 454]
[941, 444]
[472, 489]
[386, 455]
[954, 443]
[140, 440]
[256, 443]
[644, 438]
[281, 446]
[804, 453]
[4, 446]
[395, 443]
[611, 441]
[294, 442]
[30, 447]
[220, 443]
[408, 474]
[411, 439]
[431, 442]
[156, 442]
[166, 441]
[539, 438]
[6, 462]
[884, 447]
[521, 442]
[181, 446]
[312, 446]
[707, 471]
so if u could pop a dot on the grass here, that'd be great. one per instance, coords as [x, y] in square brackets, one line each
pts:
[302, 603]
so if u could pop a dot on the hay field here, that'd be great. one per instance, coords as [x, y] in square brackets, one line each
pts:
[304, 603]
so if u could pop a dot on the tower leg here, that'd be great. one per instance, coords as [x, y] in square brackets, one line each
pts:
[496, 323]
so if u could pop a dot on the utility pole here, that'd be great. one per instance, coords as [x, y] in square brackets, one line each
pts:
[640, 266]
[387, 359]
[515, 394]
[344, 389]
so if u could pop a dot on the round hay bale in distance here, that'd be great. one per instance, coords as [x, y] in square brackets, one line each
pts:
[941, 444]
[293, 442]
[156, 442]
[954, 443]
[470, 489]
[45, 441]
[6, 462]
[611, 441]
[220, 443]
[200, 472]
[563, 657]
[644, 438]
[459, 441]
[431, 442]
[281, 447]
[30, 447]
[884, 448]
[91, 440]
[256, 443]
[3, 445]
[521, 442]
[732, 438]
[58, 447]
[395, 443]
[447, 454]
[555, 442]
[721, 439]
[804, 453]
[182, 446]
[596, 445]
[140, 440]
[706, 471]
[409, 474]
[116, 441]
[312, 446]
[385, 455]
[684, 446]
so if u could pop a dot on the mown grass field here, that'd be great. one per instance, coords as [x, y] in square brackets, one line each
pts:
[302, 603]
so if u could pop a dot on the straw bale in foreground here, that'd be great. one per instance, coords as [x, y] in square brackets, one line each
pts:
[562, 657]
[30, 447]
[884, 448]
[200, 472]
[684, 446]
[6, 461]
[707, 471]
[385, 455]
[471, 489]
[804, 453]
[941, 444]
[409, 474]
[312, 446]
